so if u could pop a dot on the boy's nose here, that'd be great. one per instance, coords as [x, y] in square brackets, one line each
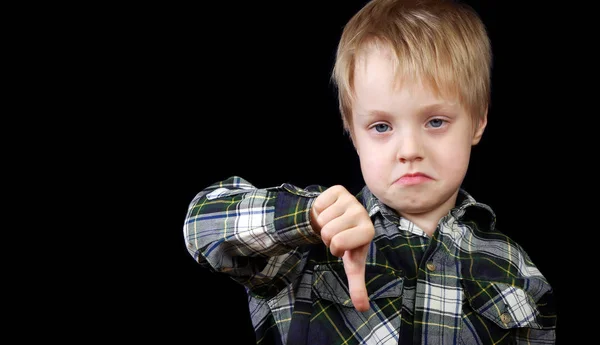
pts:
[410, 148]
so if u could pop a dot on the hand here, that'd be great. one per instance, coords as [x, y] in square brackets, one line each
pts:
[345, 227]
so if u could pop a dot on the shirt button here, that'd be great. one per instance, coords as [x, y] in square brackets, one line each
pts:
[505, 318]
[431, 266]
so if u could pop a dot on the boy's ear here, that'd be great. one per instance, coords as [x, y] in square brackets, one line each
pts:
[480, 128]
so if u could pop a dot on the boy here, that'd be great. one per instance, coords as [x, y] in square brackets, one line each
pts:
[412, 258]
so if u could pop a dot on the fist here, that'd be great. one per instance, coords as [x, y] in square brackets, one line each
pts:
[341, 220]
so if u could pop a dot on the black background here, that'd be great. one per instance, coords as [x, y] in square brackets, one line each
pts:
[244, 89]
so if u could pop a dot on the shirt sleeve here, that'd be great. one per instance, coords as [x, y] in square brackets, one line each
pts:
[259, 237]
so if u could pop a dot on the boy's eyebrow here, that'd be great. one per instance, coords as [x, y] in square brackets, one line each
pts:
[373, 113]
[428, 108]
[445, 105]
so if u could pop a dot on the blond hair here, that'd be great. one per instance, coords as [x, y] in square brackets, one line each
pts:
[443, 44]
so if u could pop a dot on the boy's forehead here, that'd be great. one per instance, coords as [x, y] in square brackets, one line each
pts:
[370, 58]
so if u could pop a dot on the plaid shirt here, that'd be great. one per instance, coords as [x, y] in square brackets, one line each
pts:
[466, 284]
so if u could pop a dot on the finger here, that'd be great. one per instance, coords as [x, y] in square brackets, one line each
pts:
[334, 226]
[354, 265]
[332, 212]
[350, 239]
[327, 198]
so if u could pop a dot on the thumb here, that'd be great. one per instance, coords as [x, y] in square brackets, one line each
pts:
[354, 265]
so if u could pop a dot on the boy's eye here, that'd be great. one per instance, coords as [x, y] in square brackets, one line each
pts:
[381, 127]
[436, 123]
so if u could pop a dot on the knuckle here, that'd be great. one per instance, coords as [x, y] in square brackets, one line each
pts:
[371, 230]
[326, 235]
[317, 204]
[338, 188]
[334, 247]
[334, 243]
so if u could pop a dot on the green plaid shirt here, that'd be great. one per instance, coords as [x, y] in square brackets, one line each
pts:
[466, 284]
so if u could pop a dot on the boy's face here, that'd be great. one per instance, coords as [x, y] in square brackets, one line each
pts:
[413, 146]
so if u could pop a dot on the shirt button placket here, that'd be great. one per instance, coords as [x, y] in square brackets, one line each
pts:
[430, 266]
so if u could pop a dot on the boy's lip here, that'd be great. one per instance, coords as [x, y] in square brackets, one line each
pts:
[413, 178]
[415, 175]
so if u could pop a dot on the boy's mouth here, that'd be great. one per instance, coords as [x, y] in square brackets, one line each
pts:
[413, 179]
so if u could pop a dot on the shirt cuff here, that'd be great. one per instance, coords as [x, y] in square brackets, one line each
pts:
[292, 217]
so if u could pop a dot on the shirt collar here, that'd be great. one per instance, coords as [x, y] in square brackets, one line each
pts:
[466, 209]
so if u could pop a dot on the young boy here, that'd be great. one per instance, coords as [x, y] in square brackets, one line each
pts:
[412, 258]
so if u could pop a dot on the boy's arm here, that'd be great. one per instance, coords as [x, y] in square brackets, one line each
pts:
[254, 235]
